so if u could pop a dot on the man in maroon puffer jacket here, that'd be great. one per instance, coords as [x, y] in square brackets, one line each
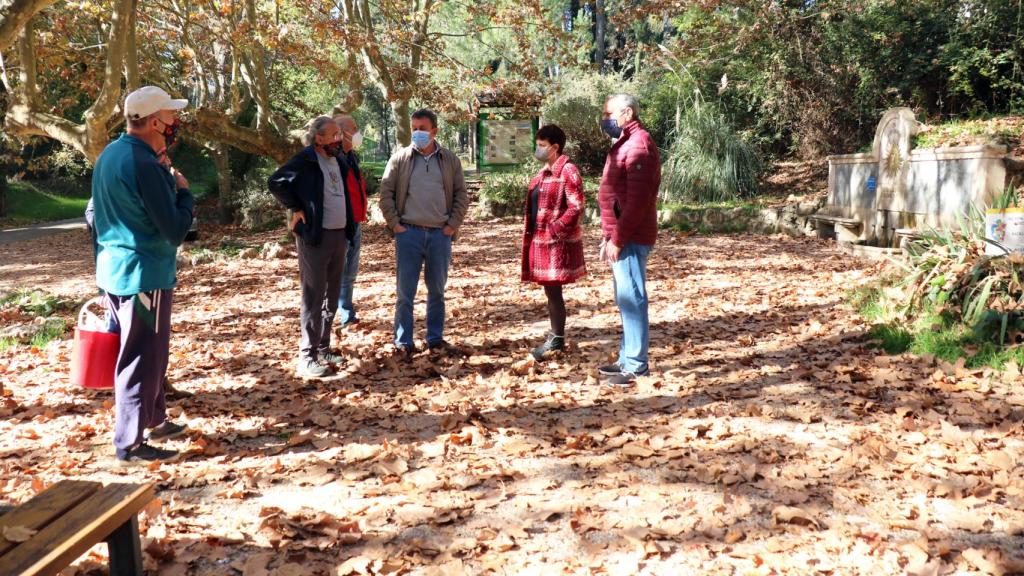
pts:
[629, 225]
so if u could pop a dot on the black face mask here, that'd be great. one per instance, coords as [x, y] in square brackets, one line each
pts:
[170, 131]
[332, 148]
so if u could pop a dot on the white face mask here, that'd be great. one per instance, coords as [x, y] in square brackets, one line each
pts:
[357, 140]
[542, 153]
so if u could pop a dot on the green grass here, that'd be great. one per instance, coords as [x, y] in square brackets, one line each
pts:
[941, 335]
[54, 329]
[375, 169]
[27, 204]
[35, 302]
[40, 304]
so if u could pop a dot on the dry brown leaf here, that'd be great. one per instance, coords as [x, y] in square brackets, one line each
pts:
[359, 452]
[637, 450]
[1000, 460]
[18, 533]
[988, 561]
[354, 565]
[794, 515]
[256, 565]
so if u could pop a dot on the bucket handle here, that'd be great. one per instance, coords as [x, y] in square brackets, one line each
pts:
[93, 318]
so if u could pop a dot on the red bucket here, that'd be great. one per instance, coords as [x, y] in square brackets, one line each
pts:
[94, 356]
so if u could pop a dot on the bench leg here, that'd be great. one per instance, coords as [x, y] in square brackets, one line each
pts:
[125, 549]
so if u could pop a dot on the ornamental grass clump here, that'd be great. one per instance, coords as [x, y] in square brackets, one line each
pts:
[709, 161]
[949, 271]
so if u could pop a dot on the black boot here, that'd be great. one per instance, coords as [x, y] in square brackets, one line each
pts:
[550, 345]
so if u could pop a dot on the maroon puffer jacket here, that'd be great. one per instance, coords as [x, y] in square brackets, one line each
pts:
[629, 188]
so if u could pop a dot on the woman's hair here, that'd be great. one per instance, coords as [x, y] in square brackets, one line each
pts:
[552, 135]
[316, 126]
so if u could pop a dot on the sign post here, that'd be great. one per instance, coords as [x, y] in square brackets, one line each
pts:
[504, 139]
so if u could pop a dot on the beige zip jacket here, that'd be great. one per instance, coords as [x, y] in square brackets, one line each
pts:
[394, 186]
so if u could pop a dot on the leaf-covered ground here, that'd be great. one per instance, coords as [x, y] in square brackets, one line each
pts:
[769, 440]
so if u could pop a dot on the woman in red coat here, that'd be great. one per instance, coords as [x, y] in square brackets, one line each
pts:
[553, 238]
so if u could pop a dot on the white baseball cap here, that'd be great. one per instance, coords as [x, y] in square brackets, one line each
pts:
[150, 100]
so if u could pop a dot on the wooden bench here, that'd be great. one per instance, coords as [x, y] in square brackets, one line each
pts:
[846, 229]
[71, 517]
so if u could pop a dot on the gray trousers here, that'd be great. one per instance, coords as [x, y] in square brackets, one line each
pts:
[320, 270]
[144, 321]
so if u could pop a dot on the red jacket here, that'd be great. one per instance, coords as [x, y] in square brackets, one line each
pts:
[553, 253]
[629, 188]
[355, 186]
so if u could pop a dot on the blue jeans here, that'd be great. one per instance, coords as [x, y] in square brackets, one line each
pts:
[415, 249]
[630, 281]
[346, 310]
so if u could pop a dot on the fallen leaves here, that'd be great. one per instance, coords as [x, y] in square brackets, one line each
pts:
[794, 515]
[769, 440]
[306, 528]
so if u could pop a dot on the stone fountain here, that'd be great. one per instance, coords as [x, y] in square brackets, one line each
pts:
[878, 198]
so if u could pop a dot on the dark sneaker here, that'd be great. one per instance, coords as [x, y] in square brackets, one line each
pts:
[350, 321]
[405, 352]
[328, 357]
[610, 370]
[166, 431]
[146, 454]
[552, 344]
[310, 368]
[626, 378]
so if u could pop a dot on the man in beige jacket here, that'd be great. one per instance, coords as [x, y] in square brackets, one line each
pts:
[424, 201]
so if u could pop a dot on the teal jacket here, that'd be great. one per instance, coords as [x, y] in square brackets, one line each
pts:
[140, 219]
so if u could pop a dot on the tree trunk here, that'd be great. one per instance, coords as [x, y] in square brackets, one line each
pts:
[26, 117]
[225, 198]
[403, 131]
[3, 195]
[14, 14]
[600, 29]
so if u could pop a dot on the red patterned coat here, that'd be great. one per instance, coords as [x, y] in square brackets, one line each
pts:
[553, 252]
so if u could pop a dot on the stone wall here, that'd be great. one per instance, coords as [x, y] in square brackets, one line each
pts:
[792, 218]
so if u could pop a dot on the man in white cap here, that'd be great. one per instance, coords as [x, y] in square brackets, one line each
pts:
[143, 210]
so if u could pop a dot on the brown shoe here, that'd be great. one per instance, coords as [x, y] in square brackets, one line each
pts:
[445, 347]
[172, 393]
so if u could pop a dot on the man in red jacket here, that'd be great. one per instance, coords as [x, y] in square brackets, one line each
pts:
[355, 188]
[629, 224]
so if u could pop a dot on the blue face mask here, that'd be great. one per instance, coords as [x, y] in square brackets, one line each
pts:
[420, 139]
[611, 127]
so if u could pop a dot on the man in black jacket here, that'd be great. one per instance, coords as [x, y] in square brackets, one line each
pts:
[312, 187]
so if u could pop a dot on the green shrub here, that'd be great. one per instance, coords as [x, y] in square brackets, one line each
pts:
[503, 193]
[257, 207]
[576, 108]
[709, 161]
[195, 164]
